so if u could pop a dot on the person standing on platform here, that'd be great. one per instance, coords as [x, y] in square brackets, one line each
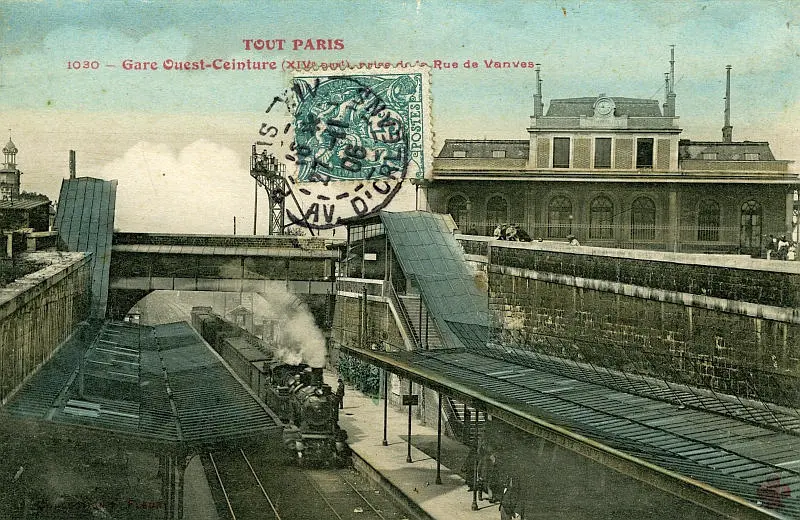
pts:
[510, 502]
[340, 393]
[783, 248]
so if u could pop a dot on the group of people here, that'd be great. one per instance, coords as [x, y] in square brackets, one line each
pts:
[510, 232]
[780, 248]
[495, 481]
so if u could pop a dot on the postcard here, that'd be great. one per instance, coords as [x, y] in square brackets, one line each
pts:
[629, 125]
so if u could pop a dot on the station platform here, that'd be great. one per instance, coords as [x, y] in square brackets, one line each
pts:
[362, 417]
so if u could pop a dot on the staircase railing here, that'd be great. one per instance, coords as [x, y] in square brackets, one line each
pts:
[402, 313]
[463, 428]
[454, 422]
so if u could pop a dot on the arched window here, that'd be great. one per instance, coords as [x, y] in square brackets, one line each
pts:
[559, 217]
[496, 212]
[750, 227]
[601, 218]
[643, 219]
[708, 221]
[457, 208]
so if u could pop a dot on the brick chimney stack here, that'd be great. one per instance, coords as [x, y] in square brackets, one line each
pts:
[727, 130]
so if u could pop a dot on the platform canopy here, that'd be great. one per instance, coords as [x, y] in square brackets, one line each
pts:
[161, 383]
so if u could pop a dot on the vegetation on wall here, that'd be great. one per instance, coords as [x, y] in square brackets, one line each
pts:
[362, 376]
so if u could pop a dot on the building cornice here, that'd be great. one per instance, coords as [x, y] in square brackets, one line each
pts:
[618, 177]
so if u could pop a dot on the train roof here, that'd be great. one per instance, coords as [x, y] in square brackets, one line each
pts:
[247, 350]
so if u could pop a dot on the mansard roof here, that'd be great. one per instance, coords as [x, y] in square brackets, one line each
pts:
[584, 106]
[734, 151]
[514, 148]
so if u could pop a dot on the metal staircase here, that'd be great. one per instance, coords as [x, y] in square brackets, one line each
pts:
[426, 335]
[461, 418]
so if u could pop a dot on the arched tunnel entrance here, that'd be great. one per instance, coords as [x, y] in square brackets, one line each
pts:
[254, 311]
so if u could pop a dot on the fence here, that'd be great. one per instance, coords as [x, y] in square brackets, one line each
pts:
[692, 238]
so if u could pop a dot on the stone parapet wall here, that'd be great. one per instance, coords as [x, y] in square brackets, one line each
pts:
[38, 312]
[651, 317]
[728, 277]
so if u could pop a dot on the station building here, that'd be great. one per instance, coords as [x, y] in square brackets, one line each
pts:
[614, 172]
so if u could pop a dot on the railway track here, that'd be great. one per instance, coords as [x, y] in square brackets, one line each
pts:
[255, 486]
[243, 492]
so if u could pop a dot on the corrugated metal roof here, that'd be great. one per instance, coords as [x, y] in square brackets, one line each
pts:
[723, 452]
[430, 256]
[174, 389]
[22, 204]
[85, 222]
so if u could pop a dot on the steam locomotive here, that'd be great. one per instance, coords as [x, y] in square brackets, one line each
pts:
[306, 406]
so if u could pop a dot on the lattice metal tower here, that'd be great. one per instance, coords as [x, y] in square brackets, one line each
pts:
[269, 173]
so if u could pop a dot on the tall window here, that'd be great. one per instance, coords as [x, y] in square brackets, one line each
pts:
[601, 218]
[708, 221]
[750, 229]
[644, 153]
[602, 152]
[496, 212]
[643, 219]
[559, 217]
[561, 152]
[457, 207]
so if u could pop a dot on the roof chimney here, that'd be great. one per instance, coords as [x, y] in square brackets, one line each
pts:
[670, 112]
[666, 91]
[538, 106]
[727, 130]
[72, 164]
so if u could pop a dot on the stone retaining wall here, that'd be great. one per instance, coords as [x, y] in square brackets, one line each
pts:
[38, 312]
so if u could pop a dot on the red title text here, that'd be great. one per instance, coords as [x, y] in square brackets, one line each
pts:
[306, 44]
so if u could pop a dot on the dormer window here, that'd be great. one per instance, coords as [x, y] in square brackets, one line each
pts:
[498, 154]
[709, 156]
[752, 156]
[459, 153]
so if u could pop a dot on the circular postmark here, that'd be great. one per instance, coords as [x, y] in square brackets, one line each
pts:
[351, 148]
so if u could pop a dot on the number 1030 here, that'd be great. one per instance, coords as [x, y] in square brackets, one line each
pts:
[77, 65]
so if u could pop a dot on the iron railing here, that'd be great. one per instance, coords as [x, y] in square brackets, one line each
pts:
[405, 320]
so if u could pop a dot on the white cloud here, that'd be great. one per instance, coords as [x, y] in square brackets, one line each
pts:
[196, 190]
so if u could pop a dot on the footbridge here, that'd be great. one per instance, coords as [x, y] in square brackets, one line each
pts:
[145, 262]
[678, 372]
[127, 266]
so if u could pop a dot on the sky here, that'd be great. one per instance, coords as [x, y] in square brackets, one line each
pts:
[179, 141]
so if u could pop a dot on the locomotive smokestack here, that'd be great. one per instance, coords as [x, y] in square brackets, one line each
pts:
[727, 130]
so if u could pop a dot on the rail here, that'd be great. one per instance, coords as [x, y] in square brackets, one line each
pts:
[402, 314]
[357, 285]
